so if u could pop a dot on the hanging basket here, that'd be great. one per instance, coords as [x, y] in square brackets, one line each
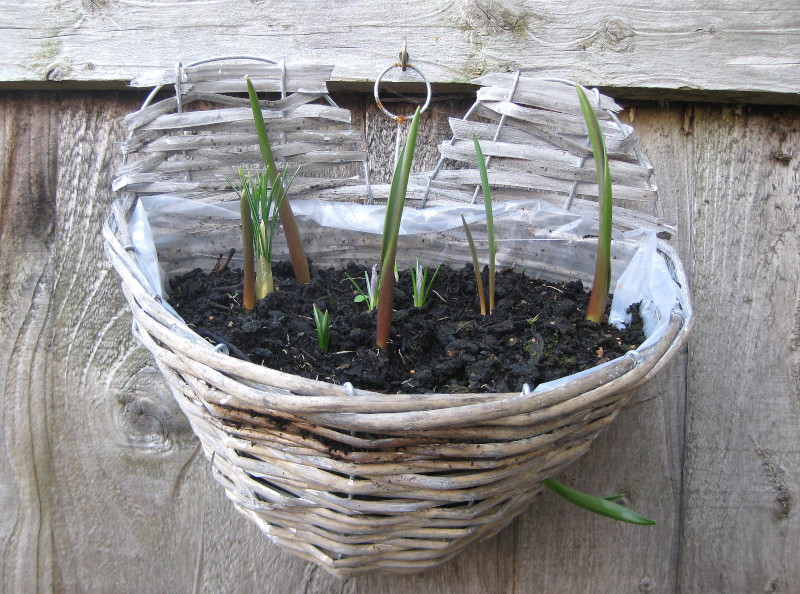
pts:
[353, 480]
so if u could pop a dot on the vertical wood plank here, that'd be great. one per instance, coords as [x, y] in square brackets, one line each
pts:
[28, 154]
[742, 471]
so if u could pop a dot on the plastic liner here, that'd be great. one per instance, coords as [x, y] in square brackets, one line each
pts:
[186, 234]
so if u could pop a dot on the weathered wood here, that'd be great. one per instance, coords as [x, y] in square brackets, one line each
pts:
[742, 471]
[103, 488]
[737, 49]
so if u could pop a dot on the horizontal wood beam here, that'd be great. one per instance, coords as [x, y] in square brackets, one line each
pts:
[695, 49]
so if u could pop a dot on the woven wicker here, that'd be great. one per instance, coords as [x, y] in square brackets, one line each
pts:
[353, 480]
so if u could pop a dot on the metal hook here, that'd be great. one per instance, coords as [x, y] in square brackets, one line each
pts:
[404, 55]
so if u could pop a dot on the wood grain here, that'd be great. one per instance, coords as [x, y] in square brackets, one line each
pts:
[102, 487]
[742, 471]
[735, 49]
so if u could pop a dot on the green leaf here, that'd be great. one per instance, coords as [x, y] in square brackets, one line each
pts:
[322, 323]
[602, 275]
[291, 233]
[597, 505]
[397, 195]
[391, 229]
[487, 201]
[261, 130]
[475, 265]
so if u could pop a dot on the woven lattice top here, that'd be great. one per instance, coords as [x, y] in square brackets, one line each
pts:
[534, 136]
[192, 143]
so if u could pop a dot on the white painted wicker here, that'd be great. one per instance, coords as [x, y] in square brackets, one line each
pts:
[358, 481]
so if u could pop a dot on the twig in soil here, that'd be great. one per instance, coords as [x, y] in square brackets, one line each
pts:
[225, 289]
[218, 306]
[309, 355]
[216, 266]
[231, 348]
[552, 287]
[227, 260]
[221, 266]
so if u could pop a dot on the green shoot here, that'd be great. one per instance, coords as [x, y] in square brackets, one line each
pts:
[371, 296]
[259, 221]
[322, 322]
[603, 506]
[248, 257]
[297, 254]
[391, 230]
[420, 283]
[602, 271]
[475, 265]
[487, 201]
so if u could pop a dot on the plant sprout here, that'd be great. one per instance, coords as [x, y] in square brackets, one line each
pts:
[322, 322]
[487, 201]
[603, 506]
[475, 265]
[602, 270]
[262, 204]
[293, 242]
[371, 296]
[420, 284]
[248, 255]
[391, 229]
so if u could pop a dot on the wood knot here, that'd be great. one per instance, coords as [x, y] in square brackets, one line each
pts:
[784, 498]
[58, 71]
[492, 17]
[614, 35]
[149, 425]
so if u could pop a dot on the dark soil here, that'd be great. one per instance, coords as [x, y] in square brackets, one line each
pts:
[536, 334]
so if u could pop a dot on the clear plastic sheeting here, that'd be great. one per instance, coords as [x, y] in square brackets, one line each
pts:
[646, 278]
[538, 237]
[145, 251]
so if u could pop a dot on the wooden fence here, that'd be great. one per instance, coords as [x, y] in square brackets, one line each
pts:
[103, 487]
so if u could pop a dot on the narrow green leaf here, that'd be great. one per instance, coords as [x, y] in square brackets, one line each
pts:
[597, 505]
[248, 255]
[487, 201]
[391, 230]
[602, 274]
[397, 193]
[475, 265]
[614, 497]
[322, 323]
[291, 232]
[261, 130]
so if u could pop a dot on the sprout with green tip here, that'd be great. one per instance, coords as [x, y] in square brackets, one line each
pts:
[487, 203]
[259, 202]
[602, 271]
[475, 265]
[370, 296]
[391, 230]
[322, 322]
[420, 285]
[294, 244]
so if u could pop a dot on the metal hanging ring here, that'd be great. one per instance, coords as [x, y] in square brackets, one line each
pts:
[408, 66]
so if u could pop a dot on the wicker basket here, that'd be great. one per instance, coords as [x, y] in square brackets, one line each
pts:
[353, 480]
